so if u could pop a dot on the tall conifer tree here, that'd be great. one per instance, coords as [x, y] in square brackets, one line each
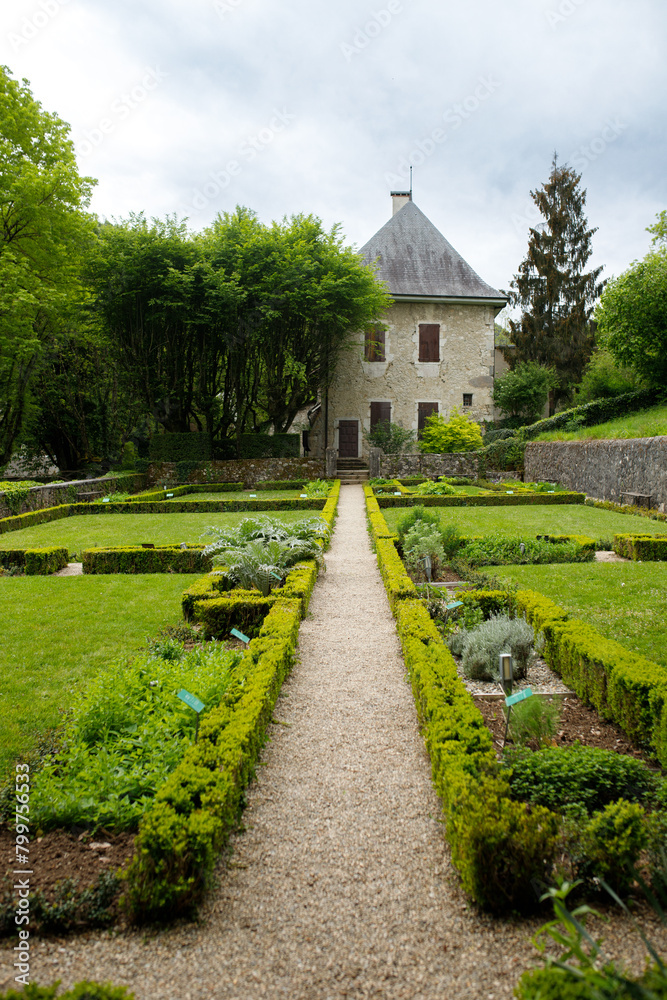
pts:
[553, 288]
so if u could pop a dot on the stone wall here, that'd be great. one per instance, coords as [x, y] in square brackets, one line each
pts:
[602, 469]
[249, 471]
[462, 463]
[76, 491]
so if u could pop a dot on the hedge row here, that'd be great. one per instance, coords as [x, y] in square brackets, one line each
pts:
[136, 559]
[36, 562]
[281, 484]
[647, 548]
[626, 508]
[494, 500]
[623, 686]
[187, 489]
[33, 517]
[589, 414]
[499, 846]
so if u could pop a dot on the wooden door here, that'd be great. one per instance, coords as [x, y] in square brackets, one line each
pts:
[348, 438]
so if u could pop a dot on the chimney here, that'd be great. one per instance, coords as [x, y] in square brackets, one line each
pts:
[399, 199]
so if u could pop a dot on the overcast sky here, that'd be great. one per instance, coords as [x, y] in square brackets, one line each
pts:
[319, 107]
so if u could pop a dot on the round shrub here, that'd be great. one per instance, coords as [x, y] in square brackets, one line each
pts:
[499, 634]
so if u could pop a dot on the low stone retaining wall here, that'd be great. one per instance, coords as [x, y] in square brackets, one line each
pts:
[249, 471]
[603, 469]
[76, 491]
[462, 463]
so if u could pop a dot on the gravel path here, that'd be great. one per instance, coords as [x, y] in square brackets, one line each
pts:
[341, 885]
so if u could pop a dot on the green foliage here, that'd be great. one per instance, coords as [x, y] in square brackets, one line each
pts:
[587, 776]
[553, 289]
[84, 990]
[269, 446]
[499, 634]
[631, 317]
[35, 562]
[613, 840]
[643, 548]
[317, 488]
[522, 392]
[183, 447]
[604, 378]
[411, 517]
[122, 741]
[458, 433]
[162, 559]
[423, 540]
[534, 721]
[430, 488]
[15, 494]
[197, 808]
[589, 414]
[502, 551]
[393, 438]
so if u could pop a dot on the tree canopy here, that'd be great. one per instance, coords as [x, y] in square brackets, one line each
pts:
[632, 313]
[522, 392]
[553, 288]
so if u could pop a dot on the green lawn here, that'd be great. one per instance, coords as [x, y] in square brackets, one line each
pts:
[625, 601]
[86, 531]
[648, 423]
[60, 632]
[565, 519]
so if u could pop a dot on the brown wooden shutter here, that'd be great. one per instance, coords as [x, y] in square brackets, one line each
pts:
[424, 410]
[429, 341]
[380, 412]
[374, 345]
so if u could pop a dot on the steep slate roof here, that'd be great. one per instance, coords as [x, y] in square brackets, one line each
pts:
[415, 259]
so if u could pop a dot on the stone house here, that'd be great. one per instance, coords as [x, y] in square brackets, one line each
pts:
[434, 349]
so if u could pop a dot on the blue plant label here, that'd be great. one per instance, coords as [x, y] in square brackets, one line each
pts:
[106, 500]
[191, 700]
[169, 495]
[254, 495]
[239, 635]
[514, 699]
[454, 604]
[303, 496]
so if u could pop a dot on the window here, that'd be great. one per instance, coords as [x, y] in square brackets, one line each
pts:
[429, 341]
[374, 344]
[380, 412]
[467, 399]
[424, 410]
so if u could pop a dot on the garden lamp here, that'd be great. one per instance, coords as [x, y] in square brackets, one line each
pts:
[506, 672]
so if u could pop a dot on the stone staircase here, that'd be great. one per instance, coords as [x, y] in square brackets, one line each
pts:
[351, 471]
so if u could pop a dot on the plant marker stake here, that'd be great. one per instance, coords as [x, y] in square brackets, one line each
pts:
[194, 703]
[506, 668]
[454, 604]
[239, 635]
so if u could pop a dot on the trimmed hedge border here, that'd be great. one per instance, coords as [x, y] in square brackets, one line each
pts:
[136, 559]
[644, 548]
[623, 686]
[36, 562]
[182, 834]
[626, 508]
[186, 489]
[494, 500]
[499, 845]
[278, 484]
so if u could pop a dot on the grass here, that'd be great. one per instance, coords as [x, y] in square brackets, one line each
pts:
[648, 423]
[625, 601]
[566, 519]
[89, 530]
[59, 633]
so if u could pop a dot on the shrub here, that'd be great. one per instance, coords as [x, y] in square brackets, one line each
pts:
[523, 391]
[317, 488]
[423, 540]
[392, 438]
[430, 488]
[132, 559]
[500, 551]
[173, 447]
[35, 562]
[458, 433]
[500, 634]
[587, 776]
[642, 548]
[534, 721]
[596, 412]
[411, 517]
[612, 842]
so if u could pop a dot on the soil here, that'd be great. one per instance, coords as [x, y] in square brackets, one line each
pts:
[577, 722]
[59, 855]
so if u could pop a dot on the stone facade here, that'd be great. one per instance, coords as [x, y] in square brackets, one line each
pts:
[248, 471]
[465, 366]
[602, 469]
[76, 491]
[462, 463]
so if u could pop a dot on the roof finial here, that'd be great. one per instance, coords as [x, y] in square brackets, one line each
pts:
[410, 183]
